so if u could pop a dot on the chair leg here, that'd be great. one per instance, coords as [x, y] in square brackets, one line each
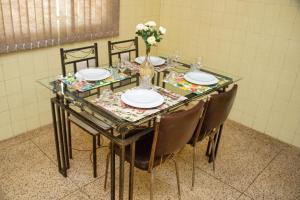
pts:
[177, 178]
[106, 170]
[94, 156]
[151, 184]
[213, 153]
[218, 140]
[194, 168]
[99, 140]
[69, 137]
[208, 149]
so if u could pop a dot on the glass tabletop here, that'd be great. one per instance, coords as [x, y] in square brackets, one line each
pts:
[177, 92]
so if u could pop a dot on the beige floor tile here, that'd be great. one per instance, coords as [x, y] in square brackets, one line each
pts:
[23, 155]
[281, 179]
[81, 169]
[241, 157]
[162, 190]
[46, 143]
[41, 181]
[25, 137]
[206, 186]
[77, 195]
[27, 173]
[244, 197]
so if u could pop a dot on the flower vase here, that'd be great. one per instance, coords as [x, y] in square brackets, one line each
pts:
[146, 72]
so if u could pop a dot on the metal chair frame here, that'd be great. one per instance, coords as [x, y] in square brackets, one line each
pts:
[115, 48]
[151, 169]
[90, 53]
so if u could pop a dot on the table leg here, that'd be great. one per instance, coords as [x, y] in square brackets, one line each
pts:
[56, 136]
[131, 171]
[112, 171]
[94, 156]
[64, 131]
[164, 76]
[61, 140]
[158, 78]
[122, 168]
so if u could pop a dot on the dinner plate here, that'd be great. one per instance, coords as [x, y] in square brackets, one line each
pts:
[200, 78]
[156, 61]
[142, 98]
[92, 74]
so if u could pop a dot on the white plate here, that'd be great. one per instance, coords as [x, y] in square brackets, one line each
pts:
[93, 74]
[142, 98]
[200, 78]
[156, 61]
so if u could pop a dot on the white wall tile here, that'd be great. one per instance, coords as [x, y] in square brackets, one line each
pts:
[262, 38]
[25, 105]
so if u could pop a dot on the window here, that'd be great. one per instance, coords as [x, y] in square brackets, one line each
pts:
[28, 24]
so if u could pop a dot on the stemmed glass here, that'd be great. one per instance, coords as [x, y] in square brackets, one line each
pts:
[122, 65]
[176, 56]
[197, 65]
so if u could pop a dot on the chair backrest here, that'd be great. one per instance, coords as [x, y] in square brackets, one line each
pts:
[216, 111]
[78, 58]
[122, 48]
[176, 129]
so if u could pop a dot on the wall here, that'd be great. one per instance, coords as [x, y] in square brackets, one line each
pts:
[24, 104]
[258, 40]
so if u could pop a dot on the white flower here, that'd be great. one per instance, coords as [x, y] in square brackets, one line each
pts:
[140, 27]
[162, 30]
[146, 28]
[150, 23]
[151, 40]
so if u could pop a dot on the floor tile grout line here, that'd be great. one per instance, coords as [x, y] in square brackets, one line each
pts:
[262, 171]
[13, 145]
[55, 163]
[22, 140]
[79, 189]
[244, 195]
[214, 177]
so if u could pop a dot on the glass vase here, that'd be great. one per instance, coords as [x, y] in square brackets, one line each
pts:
[146, 72]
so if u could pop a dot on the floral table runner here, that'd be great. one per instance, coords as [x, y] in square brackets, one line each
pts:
[82, 85]
[134, 67]
[114, 104]
[181, 83]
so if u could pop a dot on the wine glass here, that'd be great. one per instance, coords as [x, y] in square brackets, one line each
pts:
[122, 66]
[176, 56]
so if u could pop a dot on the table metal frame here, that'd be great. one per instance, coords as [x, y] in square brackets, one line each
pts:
[61, 109]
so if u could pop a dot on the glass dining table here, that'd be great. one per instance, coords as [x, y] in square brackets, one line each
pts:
[102, 100]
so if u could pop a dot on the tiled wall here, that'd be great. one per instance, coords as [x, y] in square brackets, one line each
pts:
[256, 39]
[24, 104]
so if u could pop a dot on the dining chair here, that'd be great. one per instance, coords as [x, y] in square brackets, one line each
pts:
[170, 133]
[123, 49]
[216, 111]
[79, 58]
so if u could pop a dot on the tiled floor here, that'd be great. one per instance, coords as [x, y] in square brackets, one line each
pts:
[250, 165]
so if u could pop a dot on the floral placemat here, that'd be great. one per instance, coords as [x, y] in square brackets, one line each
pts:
[83, 86]
[114, 104]
[134, 67]
[181, 83]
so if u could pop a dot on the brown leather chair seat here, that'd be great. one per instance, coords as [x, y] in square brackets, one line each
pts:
[143, 147]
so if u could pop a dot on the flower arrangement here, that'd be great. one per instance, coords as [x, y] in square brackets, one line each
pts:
[150, 34]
